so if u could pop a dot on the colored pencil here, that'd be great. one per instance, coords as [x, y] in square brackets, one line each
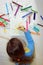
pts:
[27, 14]
[41, 17]
[2, 15]
[26, 8]
[11, 6]
[5, 19]
[40, 25]
[34, 11]
[17, 10]
[26, 25]
[35, 33]
[16, 3]
[34, 16]
[7, 10]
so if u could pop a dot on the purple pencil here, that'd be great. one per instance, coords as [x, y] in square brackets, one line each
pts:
[17, 10]
[17, 7]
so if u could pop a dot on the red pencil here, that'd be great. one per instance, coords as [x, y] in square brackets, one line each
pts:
[1, 24]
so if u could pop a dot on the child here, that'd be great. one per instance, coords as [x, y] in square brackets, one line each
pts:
[17, 52]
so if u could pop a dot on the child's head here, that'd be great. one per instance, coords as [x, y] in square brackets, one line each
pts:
[15, 49]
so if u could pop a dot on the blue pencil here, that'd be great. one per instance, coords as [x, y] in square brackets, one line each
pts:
[7, 9]
[27, 14]
[41, 17]
[34, 17]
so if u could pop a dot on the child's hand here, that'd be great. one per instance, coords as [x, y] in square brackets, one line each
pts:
[21, 28]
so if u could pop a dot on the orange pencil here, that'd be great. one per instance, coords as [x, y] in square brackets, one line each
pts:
[34, 33]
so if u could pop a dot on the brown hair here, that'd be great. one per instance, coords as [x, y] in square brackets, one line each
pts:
[15, 49]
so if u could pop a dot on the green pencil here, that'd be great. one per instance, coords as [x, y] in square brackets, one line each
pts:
[34, 11]
[26, 8]
[2, 20]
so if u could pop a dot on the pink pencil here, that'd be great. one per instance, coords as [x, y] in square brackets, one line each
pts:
[26, 25]
[29, 19]
[5, 19]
